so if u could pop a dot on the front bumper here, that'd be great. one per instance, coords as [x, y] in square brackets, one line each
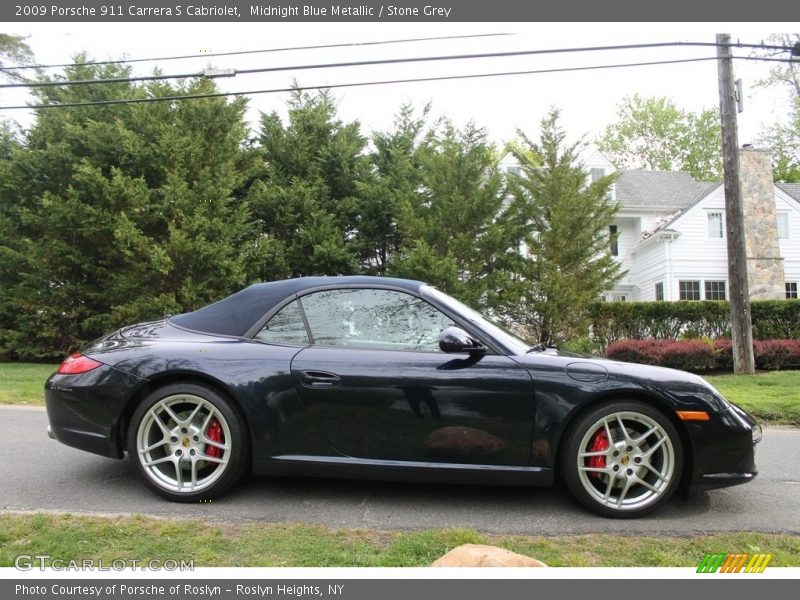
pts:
[85, 410]
[711, 481]
[723, 449]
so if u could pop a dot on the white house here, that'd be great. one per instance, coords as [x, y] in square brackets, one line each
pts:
[672, 234]
[671, 231]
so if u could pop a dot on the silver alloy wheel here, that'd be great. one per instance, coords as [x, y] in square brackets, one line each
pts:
[174, 447]
[635, 468]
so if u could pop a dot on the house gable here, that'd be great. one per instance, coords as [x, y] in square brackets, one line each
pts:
[681, 248]
[787, 207]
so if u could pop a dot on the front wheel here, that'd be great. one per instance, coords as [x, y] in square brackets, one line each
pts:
[622, 459]
[187, 442]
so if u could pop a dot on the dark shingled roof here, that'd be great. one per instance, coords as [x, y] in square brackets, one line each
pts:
[793, 189]
[236, 314]
[663, 190]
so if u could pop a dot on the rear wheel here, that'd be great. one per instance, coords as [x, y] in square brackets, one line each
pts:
[187, 442]
[622, 459]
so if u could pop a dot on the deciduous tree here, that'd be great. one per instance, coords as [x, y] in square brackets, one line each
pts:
[783, 136]
[655, 134]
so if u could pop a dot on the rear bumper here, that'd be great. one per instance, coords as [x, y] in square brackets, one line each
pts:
[84, 410]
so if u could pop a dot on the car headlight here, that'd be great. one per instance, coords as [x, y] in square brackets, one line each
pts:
[757, 433]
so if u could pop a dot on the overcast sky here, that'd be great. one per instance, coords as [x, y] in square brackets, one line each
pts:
[587, 99]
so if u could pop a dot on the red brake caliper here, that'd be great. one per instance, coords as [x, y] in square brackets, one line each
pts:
[214, 433]
[599, 444]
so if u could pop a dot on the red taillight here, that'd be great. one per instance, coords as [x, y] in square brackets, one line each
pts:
[76, 363]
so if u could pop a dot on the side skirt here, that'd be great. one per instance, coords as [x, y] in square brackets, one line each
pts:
[391, 470]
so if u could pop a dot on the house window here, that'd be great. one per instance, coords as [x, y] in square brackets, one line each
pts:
[783, 226]
[660, 291]
[791, 289]
[715, 225]
[597, 173]
[612, 236]
[620, 298]
[689, 290]
[515, 171]
[715, 290]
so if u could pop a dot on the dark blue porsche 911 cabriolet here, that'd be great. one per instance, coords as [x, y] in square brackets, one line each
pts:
[388, 379]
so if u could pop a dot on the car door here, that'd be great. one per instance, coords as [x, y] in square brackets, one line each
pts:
[378, 386]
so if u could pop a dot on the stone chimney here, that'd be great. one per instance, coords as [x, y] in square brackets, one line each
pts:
[766, 276]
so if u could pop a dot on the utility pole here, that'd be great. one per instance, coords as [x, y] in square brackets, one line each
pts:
[741, 323]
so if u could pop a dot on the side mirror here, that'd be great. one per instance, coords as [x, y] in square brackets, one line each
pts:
[455, 339]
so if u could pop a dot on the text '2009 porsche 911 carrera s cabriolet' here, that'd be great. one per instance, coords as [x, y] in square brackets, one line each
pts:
[388, 379]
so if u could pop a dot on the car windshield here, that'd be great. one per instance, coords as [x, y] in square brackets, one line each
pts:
[517, 344]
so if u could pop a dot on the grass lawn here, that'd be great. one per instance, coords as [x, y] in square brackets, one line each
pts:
[23, 383]
[771, 397]
[70, 537]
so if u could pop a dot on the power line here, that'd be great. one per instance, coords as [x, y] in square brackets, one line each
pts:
[37, 84]
[364, 63]
[243, 52]
[357, 84]
[388, 61]
[760, 46]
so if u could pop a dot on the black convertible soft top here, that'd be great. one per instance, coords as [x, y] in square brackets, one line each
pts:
[236, 314]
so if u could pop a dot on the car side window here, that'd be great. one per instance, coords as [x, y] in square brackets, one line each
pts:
[285, 327]
[374, 318]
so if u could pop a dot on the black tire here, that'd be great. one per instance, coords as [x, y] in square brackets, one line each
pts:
[177, 448]
[641, 476]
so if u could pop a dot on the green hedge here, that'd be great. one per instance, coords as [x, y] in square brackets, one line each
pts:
[615, 321]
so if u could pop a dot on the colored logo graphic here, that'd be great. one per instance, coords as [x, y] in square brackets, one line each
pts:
[734, 563]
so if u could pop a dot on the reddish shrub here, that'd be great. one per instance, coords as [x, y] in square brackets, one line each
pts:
[637, 351]
[772, 355]
[690, 355]
[723, 351]
[695, 355]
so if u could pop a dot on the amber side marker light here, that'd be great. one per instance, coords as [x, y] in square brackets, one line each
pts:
[692, 415]
[77, 363]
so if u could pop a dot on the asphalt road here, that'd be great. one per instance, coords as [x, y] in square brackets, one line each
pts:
[40, 474]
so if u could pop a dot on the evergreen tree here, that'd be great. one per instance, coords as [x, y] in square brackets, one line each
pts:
[457, 236]
[563, 221]
[306, 195]
[121, 213]
[14, 51]
[391, 195]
